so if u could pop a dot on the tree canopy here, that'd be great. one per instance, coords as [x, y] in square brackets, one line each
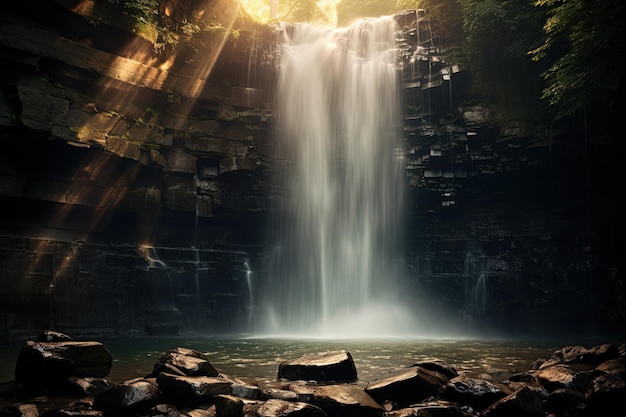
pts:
[584, 44]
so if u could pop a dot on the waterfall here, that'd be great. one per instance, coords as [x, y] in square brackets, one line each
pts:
[339, 223]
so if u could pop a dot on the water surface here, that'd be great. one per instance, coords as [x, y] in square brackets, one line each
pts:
[259, 358]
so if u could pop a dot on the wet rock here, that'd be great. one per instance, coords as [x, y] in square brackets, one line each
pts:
[522, 403]
[280, 408]
[184, 361]
[192, 390]
[281, 394]
[245, 389]
[563, 376]
[346, 401]
[407, 387]
[439, 367]
[322, 367]
[52, 336]
[573, 390]
[582, 355]
[90, 386]
[136, 395]
[228, 405]
[44, 364]
[608, 389]
[475, 392]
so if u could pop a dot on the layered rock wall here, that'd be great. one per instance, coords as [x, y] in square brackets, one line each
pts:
[137, 182]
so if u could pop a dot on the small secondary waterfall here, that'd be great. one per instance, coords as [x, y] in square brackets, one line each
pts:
[338, 269]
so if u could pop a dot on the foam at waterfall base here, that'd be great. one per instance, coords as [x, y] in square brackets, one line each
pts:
[374, 320]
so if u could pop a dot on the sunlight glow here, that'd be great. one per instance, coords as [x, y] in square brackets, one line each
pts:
[260, 10]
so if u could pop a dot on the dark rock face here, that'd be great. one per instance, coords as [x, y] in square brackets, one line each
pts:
[109, 147]
[54, 361]
[407, 386]
[184, 361]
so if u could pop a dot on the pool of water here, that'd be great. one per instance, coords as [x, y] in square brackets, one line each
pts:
[259, 358]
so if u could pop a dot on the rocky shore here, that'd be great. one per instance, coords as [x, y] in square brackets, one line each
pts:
[58, 376]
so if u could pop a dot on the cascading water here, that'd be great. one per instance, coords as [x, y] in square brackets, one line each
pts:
[339, 228]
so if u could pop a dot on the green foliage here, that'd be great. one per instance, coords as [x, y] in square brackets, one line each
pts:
[145, 11]
[498, 34]
[584, 46]
[150, 25]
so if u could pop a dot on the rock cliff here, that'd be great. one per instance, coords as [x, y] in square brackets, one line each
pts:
[136, 167]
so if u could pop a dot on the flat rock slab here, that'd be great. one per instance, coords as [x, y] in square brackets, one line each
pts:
[44, 363]
[408, 386]
[320, 367]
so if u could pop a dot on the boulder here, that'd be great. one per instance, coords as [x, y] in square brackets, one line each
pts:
[321, 367]
[346, 401]
[476, 392]
[524, 402]
[581, 355]
[133, 396]
[191, 390]
[184, 361]
[275, 408]
[44, 364]
[406, 387]
[563, 376]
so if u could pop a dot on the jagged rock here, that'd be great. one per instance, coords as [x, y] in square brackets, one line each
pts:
[571, 390]
[607, 390]
[245, 389]
[522, 403]
[407, 387]
[475, 392]
[582, 355]
[184, 361]
[191, 389]
[41, 364]
[228, 405]
[135, 395]
[563, 376]
[304, 392]
[52, 336]
[440, 368]
[321, 367]
[90, 386]
[346, 401]
[282, 394]
[280, 408]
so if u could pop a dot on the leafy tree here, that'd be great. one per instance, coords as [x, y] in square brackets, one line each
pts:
[584, 44]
